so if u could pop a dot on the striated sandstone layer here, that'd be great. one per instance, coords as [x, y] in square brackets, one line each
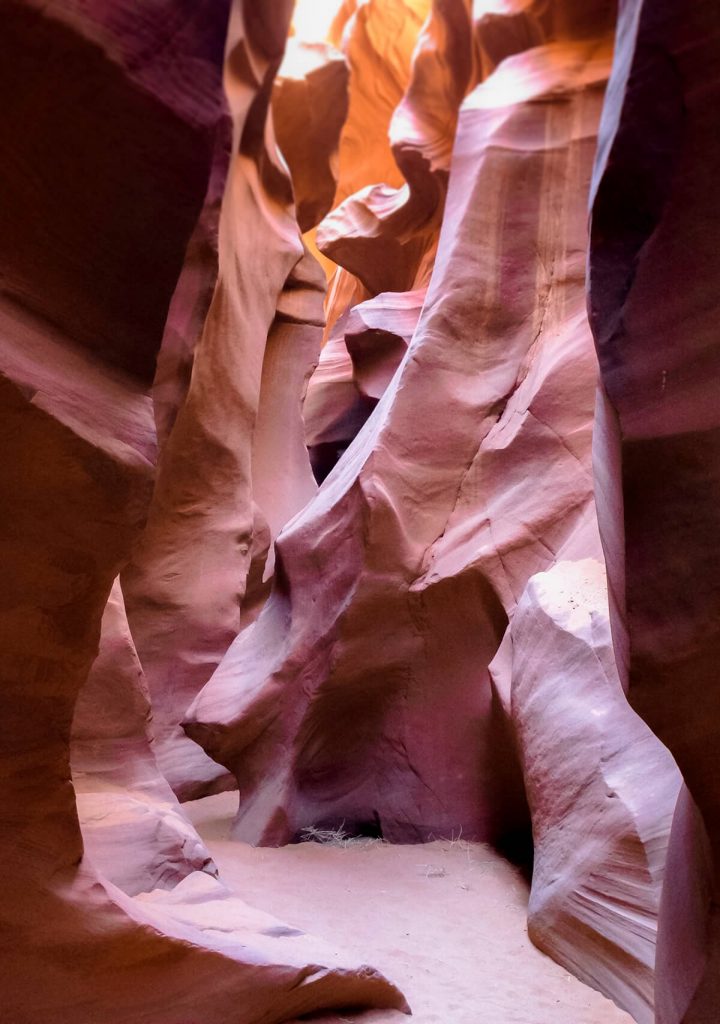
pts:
[233, 467]
[133, 829]
[384, 235]
[378, 38]
[362, 693]
[310, 106]
[654, 263]
[377, 334]
[99, 157]
[80, 57]
[600, 787]
[435, 656]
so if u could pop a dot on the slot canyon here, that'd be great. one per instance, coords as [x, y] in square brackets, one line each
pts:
[360, 401]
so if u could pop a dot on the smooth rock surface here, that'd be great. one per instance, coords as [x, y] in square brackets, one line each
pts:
[377, 334]
[424, 647]
[378, 39]
[203, 553]
[601, 787]
[361, 693]
[310, 106]
[654, 263]
[134, 831]
[116, 108]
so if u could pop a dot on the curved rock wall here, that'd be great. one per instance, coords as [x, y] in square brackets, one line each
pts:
[197, 573]
[363, 693]
[418, 544]
[426, 644]
[133, 829]
[601, 788]
[103, 187]
[653, 271]
[378, 39]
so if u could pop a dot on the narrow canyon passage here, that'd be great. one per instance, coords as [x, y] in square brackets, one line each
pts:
[359, 506]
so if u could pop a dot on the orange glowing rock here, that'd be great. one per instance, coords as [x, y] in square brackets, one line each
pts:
[421, 646]
[310, 102]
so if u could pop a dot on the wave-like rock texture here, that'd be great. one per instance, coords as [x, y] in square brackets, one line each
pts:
[385, 236]
[361, 693]
[654, 265]
[233, 467]
[600, 786]
[377, 334]
[378, 39]
[310, 107]
[110, 163]
[133, 829]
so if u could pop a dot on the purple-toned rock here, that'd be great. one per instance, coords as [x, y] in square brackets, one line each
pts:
[362, 694]
[600, 786]
[377, 334]
[133, 829]
[197, 573]
[108, 128]
[653, 279]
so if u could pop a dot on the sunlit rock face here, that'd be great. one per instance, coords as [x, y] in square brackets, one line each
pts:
[110, 126]
[653, 301]
[310, 106]
[384, 235]
[363, 693]
[395, 584]
[379, 40]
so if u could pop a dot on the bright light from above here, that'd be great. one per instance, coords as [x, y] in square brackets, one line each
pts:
[312, 19]
[503, 7]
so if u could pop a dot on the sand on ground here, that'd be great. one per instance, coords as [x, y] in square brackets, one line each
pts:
[445, 921]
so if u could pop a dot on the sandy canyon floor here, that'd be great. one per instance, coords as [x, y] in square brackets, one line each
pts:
[445, 921]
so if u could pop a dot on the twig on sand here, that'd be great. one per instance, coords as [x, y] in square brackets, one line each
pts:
[335, 837]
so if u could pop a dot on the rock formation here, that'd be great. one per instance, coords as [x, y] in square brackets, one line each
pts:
[377, 334]
[652, 283]
[198, 569]
[495, 618]
[133, 829]
[415, 551]
[361, 695]
[601, 789]
[384, 236]
[310, 106]
[98, 158]
[380, 41]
